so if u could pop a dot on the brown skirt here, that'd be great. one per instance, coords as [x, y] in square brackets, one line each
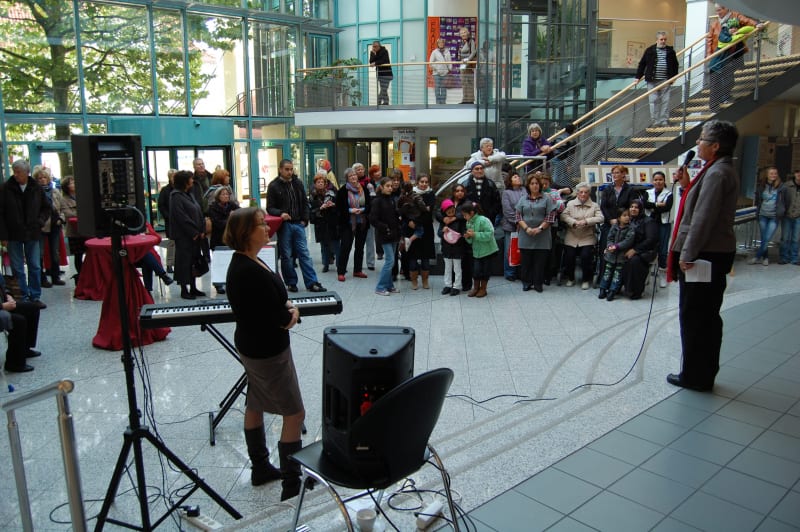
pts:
[272, 384]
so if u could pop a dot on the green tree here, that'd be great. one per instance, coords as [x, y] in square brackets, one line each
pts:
[39, 59]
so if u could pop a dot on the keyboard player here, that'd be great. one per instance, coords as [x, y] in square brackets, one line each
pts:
[261, 305]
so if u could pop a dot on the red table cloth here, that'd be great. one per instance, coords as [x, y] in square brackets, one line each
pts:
[274, 223]
[97, 279]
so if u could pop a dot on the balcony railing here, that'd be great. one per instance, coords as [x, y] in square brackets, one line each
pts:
[356, 86]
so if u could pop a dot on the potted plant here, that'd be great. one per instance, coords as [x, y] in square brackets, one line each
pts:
[333, 87]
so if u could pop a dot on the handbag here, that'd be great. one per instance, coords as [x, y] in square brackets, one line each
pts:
[514, 255]
[199, 265]
[451, 237]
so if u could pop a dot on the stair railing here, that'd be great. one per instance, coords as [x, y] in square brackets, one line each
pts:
[69, 449]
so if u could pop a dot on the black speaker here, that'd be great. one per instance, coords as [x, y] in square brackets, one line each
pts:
[360, 364]
[109, 183]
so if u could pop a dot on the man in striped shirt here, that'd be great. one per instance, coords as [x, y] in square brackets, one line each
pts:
[658, 64]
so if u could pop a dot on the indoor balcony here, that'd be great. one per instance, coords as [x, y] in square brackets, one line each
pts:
[347, 96]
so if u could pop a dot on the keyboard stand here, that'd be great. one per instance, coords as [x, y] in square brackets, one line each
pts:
[234, 393]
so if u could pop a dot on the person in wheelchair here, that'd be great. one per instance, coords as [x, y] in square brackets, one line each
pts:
[643, 253]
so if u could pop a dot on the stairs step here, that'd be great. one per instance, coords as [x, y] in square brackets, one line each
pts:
[773, 60]
[771, 68]
[626, 149]
[697, 117]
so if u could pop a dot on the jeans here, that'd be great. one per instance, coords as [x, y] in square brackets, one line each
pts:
[369, 247]
[439, 89]
[664, 233]
[385, 277]
[508, 270]
[292, 243]
[768, 226]
[22, 252]
[659, 103]
[790, 239]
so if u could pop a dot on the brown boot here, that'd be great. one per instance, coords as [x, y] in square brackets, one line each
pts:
[482, 288]
[425, 275]
[414, 276]
[476, 285]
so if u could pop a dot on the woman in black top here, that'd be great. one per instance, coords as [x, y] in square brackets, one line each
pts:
[643, 252]
[264, 315]
[187, 228]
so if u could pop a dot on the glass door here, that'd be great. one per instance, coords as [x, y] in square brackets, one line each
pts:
[268, 159]
[316, 152]
[158, 164]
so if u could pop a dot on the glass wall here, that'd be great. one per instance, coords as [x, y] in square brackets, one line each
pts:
[74, 66]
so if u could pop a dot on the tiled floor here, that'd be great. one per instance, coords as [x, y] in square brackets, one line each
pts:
[527, 446]
[723, 461]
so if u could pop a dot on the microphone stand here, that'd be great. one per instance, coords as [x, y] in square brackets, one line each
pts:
[136, 432]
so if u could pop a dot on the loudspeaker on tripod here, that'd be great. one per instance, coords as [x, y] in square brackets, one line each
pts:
[360, 364]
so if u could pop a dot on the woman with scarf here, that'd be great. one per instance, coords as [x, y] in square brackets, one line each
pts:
[422, 250]
[51, 231]
[643, 252]
[352, 205]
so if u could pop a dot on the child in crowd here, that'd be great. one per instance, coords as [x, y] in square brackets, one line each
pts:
[451, 233]
[480, 235]
[411, 206]
[620, 240]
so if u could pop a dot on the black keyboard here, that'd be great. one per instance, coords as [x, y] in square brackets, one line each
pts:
[219, 310]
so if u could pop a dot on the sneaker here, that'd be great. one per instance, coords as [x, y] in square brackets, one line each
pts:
[383, 292]
[394, 290]
[585, 285]
[765, 261]
[316, 287]
[752, 260]
[662, 281]
[570, 283]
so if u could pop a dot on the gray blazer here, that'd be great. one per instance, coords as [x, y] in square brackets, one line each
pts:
[708, 214]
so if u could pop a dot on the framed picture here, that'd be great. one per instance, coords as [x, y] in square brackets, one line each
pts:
[591, 175]
[608, 177]
[641, 174]
[671, 174]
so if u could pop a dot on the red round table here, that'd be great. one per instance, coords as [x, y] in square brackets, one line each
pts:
[274, 223]
[97, 282]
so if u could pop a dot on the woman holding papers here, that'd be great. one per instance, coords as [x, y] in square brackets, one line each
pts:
[704, 230]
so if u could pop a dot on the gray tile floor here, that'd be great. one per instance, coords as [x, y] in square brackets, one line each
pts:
[526, 445]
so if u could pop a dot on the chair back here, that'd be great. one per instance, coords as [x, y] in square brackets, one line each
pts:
[389, 441]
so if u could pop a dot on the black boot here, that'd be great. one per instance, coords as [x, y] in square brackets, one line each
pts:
[603, 293]
[290, 470]
[186, 292]
[57, 280]
[196, 292]
[263, 471]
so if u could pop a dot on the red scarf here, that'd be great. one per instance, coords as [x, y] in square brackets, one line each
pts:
[672, 263]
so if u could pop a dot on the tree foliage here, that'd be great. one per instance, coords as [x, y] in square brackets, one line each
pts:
[39, 57]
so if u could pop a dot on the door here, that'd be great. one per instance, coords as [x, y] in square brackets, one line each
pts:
[316, 152]
[268, 159]
[161, 159]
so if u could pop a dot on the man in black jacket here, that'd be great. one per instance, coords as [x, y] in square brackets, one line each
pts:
[379, 58]
[21, 320]
[286, 197]
[24, 209]
[658, 64]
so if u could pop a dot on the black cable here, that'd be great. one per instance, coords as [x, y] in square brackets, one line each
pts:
[641, 347]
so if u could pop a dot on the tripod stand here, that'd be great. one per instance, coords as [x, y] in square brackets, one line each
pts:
[136, 432]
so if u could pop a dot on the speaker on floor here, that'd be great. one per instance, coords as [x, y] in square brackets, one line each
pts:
[360, 364]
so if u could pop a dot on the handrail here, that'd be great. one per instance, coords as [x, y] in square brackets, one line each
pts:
[415, 63]
[607, 102]
[654, 89]
[69, 450]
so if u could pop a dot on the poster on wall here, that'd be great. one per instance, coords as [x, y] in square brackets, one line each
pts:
[404, 152]
[447, 28]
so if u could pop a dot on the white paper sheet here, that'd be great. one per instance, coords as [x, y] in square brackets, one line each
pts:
[701, 273]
